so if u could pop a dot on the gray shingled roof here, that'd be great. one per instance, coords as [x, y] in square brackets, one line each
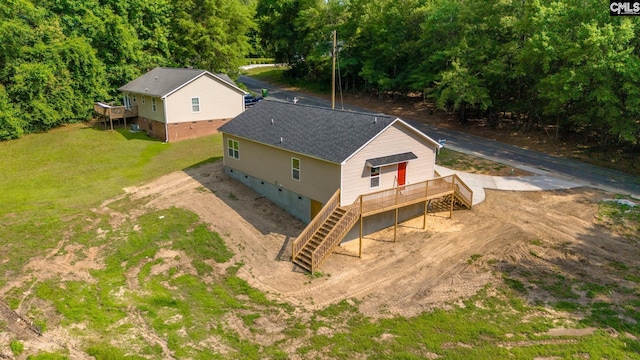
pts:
[391, 159]
[162, 81]
[226, 78]
[332, 135]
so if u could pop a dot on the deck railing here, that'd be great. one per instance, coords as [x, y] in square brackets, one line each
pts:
[384, 200]
[315, 224]
[464, 191]
[114, 112]
[370, 204]
[335, 236]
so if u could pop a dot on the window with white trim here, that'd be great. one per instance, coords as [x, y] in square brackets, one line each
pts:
[153, 105]
[295, 169]
[233, 148]
[195, 104]
[134, 98]
[375, 177]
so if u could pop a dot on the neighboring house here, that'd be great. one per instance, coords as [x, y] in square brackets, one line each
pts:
[298, 156]
[177, 104]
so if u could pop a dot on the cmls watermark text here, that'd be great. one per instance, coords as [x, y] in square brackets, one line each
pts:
[624, 8]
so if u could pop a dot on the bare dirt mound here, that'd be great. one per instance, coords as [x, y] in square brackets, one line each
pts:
[450, 259]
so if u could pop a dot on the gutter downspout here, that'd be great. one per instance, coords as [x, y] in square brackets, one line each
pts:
[166, 120]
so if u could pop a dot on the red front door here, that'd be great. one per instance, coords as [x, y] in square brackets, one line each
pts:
[402, 173]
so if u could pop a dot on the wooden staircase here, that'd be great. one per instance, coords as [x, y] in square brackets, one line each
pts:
[317, 241]
[461, 200]
[304, 258]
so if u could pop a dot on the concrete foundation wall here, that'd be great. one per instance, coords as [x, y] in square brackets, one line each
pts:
[383, 220]
[300, 206]
[295, 204]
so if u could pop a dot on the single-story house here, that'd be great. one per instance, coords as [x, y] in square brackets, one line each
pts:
[177, 104]
[298, 156]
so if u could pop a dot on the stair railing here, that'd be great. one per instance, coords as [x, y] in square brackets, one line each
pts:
[337, 233]
[371, 203]
[306, 234]
[463, 190]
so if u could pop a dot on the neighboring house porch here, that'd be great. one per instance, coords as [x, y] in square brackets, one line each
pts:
[107, 113]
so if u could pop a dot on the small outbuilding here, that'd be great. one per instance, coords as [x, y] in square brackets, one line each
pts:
[176, 103]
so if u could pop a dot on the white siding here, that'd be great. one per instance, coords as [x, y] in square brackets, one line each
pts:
[217, 101]
[396, 139]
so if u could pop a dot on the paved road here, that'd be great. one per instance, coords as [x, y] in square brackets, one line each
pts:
[566, 169]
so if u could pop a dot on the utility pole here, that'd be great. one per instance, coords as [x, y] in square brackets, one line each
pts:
[333, 72]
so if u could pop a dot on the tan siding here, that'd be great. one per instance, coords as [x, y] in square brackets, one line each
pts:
[145, 110]
[146, 107]
[318, 179]
[396, 139]
[217, 101]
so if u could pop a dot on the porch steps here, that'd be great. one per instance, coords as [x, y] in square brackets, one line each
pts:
[461, 200]
[321, 236]
[443, 204]
[304, 258]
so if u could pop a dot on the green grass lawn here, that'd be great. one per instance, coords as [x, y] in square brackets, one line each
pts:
[78, 166]
[50, 178]
[50, 181]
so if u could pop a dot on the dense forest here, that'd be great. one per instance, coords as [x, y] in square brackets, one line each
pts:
[561, 64]
[57, 57]
[564, 65]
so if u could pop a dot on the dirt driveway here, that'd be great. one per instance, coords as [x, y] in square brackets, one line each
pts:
[451, 259]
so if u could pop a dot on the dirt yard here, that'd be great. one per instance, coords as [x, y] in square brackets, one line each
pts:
[428, 268]
[423, 269]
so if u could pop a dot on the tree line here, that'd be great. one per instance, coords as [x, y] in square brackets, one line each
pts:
[560, 64]
[565, 65]
[57, 57]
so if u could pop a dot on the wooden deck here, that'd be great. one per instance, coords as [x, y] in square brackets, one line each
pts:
[105, 112]
[385, 200]
[316, 242]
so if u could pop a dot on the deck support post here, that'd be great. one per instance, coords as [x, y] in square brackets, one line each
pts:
[360, 248]
[361, 220]
[111, 122]
[451, 209]
[395, 228]
[424, 220]
[426, 204]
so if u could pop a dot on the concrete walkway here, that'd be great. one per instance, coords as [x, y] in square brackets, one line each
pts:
[538, 182]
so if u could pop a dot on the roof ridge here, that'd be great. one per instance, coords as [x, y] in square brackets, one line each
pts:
[179, 68]
[329, 109]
